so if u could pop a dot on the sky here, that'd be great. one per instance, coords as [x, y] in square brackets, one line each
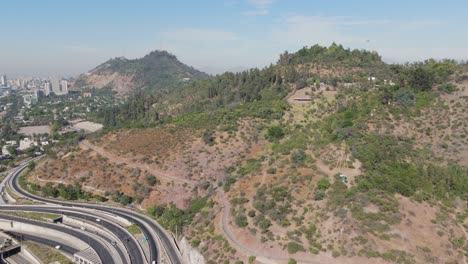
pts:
[66, 38]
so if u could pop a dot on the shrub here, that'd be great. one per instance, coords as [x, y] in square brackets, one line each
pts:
[319, 195]
[294, 247]
[301, 83]
[275, 133]
[208, 137]
[241, 220]
[298, 157]
[447, 88]
[323, 184]
[151, 180]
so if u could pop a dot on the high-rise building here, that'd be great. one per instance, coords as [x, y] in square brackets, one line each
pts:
[63, 87]
[3, 81]
[47, 88]
[55, 85]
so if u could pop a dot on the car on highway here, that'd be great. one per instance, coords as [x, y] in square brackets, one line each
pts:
[58, 247]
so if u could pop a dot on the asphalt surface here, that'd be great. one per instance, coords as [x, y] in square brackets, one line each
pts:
[43, 241]
[141, 221]
[130, 244]
[100, 249]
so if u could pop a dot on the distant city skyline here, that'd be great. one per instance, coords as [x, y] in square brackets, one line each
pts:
[66, 38]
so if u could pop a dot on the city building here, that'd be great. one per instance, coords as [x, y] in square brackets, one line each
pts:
[47, 90]
[31, 98]
[54, 82]
[26, 143]
[63, 87]
[3, 81]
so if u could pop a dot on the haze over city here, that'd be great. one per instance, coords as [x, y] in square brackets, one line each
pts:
[66, 38]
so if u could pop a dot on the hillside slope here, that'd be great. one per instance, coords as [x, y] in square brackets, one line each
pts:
[295, 161]
[157, 70]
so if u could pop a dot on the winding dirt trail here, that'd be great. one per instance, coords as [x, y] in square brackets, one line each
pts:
[224, 219]
[116, 159]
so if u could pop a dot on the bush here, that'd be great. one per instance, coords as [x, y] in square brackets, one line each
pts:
[323, 184]
[252, 213]
[301, 83]
[208, 137]
[319, 195]
[447, 88]
[275, 133]
[298, 157]
[292, 261]
[294, 247]
[151, 180]
[241, 220]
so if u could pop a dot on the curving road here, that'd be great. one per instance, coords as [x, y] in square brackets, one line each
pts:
[43, 241]
[131, 245]
[101, 250]
[151, 230]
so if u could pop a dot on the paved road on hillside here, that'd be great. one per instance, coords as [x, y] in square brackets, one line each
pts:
[152, 231]
[131, 245]
[101, 250]
[21, 236]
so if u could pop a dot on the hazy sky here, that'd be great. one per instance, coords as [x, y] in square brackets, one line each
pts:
[58, 37]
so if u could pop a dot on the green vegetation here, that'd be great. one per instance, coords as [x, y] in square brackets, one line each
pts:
[171, 217]
[155, 71]
[66, 192]
[294, 247]
[133, 229]
[122, 198]
[32, 215]
[275, 133]
[335, 55]
[46, 254]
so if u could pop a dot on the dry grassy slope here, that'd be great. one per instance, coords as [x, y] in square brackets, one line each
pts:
[98, 175]
[121, 160]
[341, 238]
[425, 232]
[120, 83]
[441, 128]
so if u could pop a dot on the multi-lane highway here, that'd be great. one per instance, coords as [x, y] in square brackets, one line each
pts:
[157, 238]
[131, 246]
[101, 250]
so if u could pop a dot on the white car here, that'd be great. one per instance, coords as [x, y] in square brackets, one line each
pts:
[98, 220]
[58, 247]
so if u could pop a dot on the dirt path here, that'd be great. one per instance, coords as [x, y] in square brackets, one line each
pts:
[224, 220]
[115, 159]
[82, 186]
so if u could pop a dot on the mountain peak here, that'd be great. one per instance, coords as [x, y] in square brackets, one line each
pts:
[157, 70]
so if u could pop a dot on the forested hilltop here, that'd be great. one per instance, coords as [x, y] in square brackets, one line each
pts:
[156, 71]
[328, 156]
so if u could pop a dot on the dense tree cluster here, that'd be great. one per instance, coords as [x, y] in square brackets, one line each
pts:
[335, 55]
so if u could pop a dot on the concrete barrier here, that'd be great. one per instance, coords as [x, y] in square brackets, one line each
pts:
[43, 232]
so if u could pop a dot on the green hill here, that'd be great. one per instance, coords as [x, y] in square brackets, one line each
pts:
[157, 70]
